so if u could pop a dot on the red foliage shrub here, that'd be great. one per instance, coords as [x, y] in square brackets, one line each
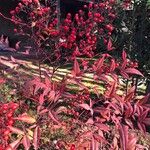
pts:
[87, 117]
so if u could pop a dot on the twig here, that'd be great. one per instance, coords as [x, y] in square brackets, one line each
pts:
[18, 22]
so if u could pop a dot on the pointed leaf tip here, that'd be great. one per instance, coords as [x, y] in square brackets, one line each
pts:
[133, 71]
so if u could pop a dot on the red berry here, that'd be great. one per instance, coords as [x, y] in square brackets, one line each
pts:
[96, 6]
[15, 106]
[97, 14]
[12, 12]
[20, 5]
[5, 107]
[109, 27]
[85, 6]
[90, 5]
[10, 122]
[112, 1]
[89, 14]
[72, 147]
[9, 115]
[113, 16]
[13, 18]
[102, 5]
[68, 15]
[17, 9]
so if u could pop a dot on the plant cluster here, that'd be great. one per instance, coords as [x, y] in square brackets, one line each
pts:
[50, 115]
[74, 36]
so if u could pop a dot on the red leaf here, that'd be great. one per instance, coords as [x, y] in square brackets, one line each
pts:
[102, 126]
[117, 97]
[53, 117]
[141, 127]
[113, 65]
[124, 55]
[135, 108]
[76, 69]
[131, 90]
[13, 59]
[144, 114]
[129, 110]
[100, 64]
[87, 107]
[26, 142]
[2, 81]
[36, 138]
[130, 95]
[46, 91]
[99, 138]
[16, 130]
[17, 46]
[109, 45]
[41, 99]
[68, 95]
[6, 41]
[125, 75]
[123, 132]
[26, 52]
[104, 78]
[144, 100]
[93, 143]
[90, 121]
[114, 76]
[81, 85]
[14, 145]
[146, 121]
[133, 71]
[95, 90]
[26, 118]
[132, 142]
[115, 145]
[111, 91]
[47, 82]
[129, 123]
[43, 111]
[51, 95]
[124, 64]
[86, 134]
[141, 109]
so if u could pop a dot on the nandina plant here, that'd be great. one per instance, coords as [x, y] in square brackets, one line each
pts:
[84, 118]
[50, 114]
[76, 35]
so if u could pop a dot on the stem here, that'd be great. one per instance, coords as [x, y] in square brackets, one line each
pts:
[133, 83]
[127, 86]
[40, 72]
[18, 22]
[136, 84]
